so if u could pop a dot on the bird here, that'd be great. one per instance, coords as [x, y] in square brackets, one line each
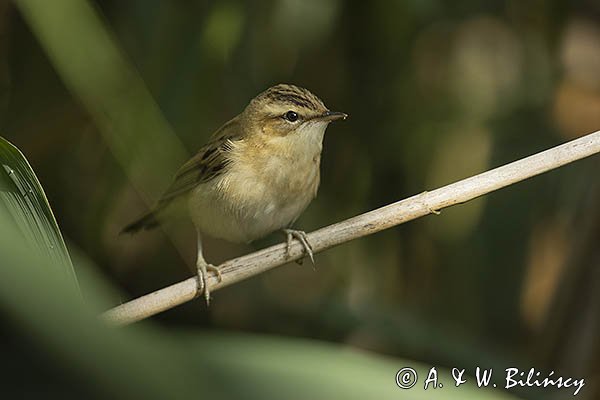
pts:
[256, 175]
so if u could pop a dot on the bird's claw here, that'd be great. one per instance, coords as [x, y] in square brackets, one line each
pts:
[303, 239]
[203, 269]
[216, 271]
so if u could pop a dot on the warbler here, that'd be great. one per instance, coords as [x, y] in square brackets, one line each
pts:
[256, 175]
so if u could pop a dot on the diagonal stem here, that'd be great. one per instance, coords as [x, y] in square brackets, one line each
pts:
[417, 206]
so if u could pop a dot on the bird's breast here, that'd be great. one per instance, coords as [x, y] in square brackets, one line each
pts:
[265, 189]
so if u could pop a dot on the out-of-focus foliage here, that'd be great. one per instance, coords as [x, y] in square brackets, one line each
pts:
[149, 362]
[98, 97]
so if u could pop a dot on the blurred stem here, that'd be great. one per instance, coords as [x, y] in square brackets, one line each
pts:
[371, 222]
[92, 66]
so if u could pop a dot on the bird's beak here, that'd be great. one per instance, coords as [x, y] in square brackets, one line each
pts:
[332, 116]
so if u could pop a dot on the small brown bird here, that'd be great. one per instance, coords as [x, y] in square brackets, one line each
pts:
[256, 175]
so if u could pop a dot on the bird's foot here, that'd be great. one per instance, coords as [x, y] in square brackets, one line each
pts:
[203, 269]
[303, 239]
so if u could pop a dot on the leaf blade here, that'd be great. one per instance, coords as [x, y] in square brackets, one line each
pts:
[23, 197]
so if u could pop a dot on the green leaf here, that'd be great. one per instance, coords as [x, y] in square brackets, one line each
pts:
[24, 200]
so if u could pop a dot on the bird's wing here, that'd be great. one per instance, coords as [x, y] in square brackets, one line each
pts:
[210, 162]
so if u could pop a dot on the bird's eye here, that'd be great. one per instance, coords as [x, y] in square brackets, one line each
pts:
[291, 116]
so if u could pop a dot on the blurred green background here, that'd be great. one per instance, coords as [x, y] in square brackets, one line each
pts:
[106, 98]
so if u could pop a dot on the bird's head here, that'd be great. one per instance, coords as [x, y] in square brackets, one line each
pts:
[285, 110]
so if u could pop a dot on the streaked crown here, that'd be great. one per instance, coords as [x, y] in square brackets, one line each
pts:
[293, 96]
[278, 99]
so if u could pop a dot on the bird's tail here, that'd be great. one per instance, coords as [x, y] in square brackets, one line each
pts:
[146, 222]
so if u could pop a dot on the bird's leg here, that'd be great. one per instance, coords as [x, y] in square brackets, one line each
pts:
[303, 239]
[203, 268]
